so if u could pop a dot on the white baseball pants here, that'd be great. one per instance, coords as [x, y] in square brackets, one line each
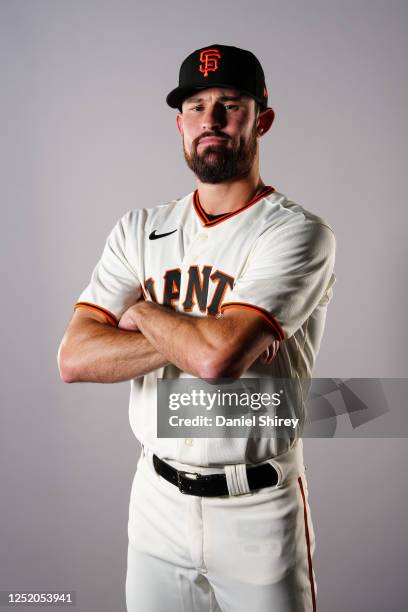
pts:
[224, 554]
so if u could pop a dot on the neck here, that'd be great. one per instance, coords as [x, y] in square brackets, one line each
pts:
[229, 196]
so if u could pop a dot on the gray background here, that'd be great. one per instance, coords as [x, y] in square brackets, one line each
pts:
[85, 136]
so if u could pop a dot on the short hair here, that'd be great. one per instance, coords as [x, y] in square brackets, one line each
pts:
[259, 108]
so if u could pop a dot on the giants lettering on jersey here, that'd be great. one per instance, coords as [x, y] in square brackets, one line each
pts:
[205, 288]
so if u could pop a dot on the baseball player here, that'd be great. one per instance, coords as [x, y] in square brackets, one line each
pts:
[232, 279]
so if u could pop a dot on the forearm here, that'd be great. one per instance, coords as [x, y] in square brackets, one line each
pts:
[96, 352]
[205, 347]
[181, 337]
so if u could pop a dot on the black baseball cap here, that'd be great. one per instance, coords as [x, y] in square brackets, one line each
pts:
[220, 66]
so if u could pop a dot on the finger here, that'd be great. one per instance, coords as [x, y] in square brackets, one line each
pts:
[126, 323]
[264, 357]
[273, 350]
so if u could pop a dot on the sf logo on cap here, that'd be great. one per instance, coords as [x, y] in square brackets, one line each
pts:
[209, 61]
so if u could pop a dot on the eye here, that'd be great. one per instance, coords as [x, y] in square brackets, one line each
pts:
[231, 106]
[197, 108]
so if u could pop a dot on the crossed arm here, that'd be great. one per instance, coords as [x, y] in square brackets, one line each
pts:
[150, 336]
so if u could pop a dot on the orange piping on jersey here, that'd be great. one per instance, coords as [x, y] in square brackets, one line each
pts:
[198, 208]
[208, 223]
[277, 327]
[109, 315]
[309, 556]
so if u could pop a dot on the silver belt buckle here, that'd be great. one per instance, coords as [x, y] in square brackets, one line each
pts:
[188, 475]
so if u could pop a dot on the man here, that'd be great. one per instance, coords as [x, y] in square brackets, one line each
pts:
[232, 279]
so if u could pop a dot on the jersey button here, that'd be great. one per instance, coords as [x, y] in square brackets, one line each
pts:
[189, 442]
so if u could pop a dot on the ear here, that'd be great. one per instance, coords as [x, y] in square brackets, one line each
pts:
[265, 120]
[179, 122]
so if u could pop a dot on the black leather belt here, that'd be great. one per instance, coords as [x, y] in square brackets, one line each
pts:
[214, 485]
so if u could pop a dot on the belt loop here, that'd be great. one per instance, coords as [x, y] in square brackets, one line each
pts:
[237, 480]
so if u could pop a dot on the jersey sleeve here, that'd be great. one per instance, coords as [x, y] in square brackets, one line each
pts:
[114, 284]
[288, 273]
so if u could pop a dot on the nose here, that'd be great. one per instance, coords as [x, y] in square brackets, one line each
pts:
[214, 117]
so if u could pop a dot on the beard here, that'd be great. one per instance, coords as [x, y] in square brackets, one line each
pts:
[219, 163]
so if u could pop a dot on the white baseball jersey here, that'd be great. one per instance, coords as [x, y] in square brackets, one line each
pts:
[270, 256]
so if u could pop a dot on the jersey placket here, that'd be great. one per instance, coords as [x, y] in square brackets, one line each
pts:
[193, 447]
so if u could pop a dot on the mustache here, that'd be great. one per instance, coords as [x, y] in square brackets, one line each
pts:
[209, 134]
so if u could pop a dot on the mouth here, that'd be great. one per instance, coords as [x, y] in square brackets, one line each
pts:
[212, 140]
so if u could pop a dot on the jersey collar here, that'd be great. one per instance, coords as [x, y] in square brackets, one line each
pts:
[267, 190]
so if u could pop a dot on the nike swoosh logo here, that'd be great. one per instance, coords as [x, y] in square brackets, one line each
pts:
[154, 236]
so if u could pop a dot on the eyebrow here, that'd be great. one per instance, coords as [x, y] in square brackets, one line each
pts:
[220, 99]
